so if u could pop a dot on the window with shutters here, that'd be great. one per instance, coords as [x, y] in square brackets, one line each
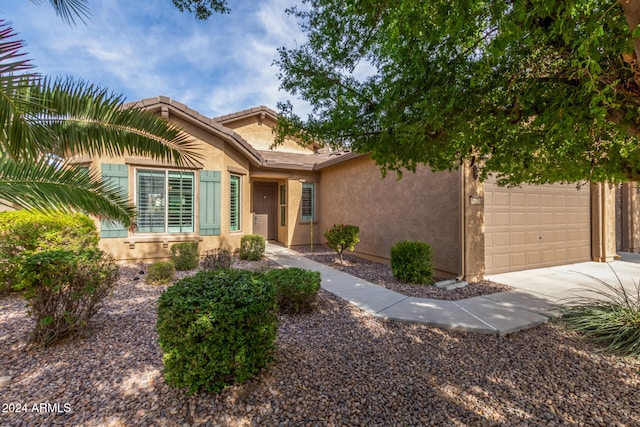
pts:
[164, 200]
[234, 210]
[308, 207]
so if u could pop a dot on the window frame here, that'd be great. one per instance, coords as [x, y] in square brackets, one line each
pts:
[312, 217]
[235, 226]
[166, 198]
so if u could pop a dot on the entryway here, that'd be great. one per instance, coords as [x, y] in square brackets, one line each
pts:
[265, 208]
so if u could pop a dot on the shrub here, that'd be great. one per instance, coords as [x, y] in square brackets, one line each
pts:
[161, 273]
[252, 247]
[216, 259]
[25, 232]
[184, 255]
[611, 318]
[296, 289]
[216, 328]
[64, 289]
[341, 237]
[411, 262]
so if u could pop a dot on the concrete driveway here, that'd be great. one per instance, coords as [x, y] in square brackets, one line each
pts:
[564, 284]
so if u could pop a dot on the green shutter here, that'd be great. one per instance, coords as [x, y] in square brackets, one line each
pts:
[209, 203]
[117, 175]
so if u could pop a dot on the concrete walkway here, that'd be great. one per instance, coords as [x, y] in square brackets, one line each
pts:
[539, 295]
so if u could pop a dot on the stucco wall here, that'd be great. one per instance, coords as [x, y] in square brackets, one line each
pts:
[422, 206]
[261, 135]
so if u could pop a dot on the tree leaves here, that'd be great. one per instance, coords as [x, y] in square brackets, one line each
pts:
[539, 90]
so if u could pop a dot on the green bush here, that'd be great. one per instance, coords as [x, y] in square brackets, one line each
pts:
[216, 259]
[216, 328]
[252, 247]
[161, 273]
[25, 232]
[341, 237]
[296, 289]
[411, 262]
[185, 256]
[64, 289]
[611, 318]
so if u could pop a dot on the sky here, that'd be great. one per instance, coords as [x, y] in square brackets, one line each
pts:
[144, 49]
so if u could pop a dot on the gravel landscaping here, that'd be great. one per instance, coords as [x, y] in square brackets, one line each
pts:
[381, 274]
[336, 366]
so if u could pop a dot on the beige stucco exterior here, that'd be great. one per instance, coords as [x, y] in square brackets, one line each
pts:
[445, 209]
[421, 206]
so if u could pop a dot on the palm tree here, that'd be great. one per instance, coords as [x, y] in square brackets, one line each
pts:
[44, 122]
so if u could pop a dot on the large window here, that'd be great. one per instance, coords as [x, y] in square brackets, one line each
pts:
[234, 211]
[308, 202]
[165, 201]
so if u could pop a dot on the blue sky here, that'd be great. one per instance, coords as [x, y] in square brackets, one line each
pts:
[143, 49]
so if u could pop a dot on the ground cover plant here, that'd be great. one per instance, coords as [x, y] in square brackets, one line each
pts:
[216, 328]
[411, 262]
[342, 236]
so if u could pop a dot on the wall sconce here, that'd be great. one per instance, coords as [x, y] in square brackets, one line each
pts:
[476, 172]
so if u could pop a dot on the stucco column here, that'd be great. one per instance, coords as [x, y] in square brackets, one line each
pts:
[473, 225]
[630, 222]
[603, 222]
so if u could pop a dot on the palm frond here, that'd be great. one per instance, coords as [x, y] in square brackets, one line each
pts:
[69, 10]
[16, 102]
[87, 119]
[48, 186]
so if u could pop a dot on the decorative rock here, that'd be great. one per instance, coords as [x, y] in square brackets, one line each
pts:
[5, 381]
[451, 284]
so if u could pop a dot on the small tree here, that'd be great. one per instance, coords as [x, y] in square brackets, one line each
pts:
[341, 237]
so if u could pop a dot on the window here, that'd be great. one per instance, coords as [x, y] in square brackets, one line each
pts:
[234, 215]
[283, 207]
[308, 202]
[165, 201]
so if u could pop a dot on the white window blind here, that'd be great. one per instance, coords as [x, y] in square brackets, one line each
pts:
[234, 216]
[165, 201]
[308, 202]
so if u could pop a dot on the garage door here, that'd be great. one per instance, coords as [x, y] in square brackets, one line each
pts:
[536, 226]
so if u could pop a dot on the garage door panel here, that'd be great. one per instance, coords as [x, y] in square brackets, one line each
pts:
[518, 238]
[535, 226]
[533, 257]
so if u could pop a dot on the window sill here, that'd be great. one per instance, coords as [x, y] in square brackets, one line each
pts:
[165, 239]
[306, 221]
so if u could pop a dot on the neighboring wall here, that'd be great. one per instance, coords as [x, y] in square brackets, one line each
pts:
[421, 206]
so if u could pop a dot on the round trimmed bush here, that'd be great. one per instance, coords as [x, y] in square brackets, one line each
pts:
[411, 262]
[216, 328]
[252, 247]
[296, 289]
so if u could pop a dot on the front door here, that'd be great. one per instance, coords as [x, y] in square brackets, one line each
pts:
[265, 201]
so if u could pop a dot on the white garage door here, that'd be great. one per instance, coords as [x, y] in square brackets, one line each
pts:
[536, 226]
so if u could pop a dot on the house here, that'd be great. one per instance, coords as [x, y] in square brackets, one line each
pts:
[292, 194]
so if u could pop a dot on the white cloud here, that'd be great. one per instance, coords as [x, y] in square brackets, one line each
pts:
[146, 49]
